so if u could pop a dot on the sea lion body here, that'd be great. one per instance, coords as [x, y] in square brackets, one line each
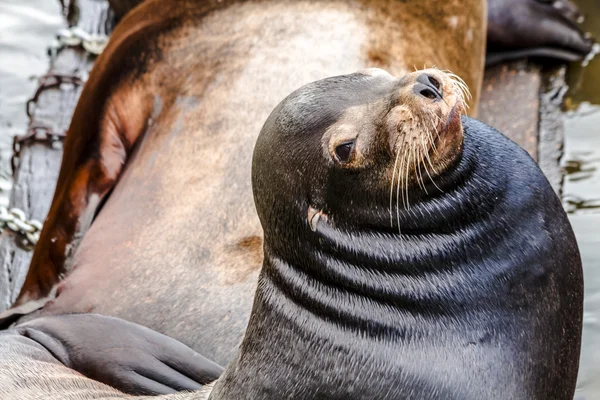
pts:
[379, 282]
[167, 123]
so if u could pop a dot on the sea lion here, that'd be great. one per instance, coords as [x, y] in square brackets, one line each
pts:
[466, 285]
[409, 253]
[516, 29]
[166, 124]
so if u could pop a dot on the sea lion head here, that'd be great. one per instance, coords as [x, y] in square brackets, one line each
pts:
[358, 149]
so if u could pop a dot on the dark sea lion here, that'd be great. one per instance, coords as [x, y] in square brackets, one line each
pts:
[467, 285]
[409, 253]
[166, 124]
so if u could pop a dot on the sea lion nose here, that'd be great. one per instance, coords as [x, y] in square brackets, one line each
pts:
[428, 86]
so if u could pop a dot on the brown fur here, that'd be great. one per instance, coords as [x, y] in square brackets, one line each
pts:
[168, 121]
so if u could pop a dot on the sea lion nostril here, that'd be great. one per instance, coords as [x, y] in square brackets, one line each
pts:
[433, 81]
[428, 86]
[428, 93]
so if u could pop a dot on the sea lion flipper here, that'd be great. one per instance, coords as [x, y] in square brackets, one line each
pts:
[124, 355]
[535, 28]
[13, 314]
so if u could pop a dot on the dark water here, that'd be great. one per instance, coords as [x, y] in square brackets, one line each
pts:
[581, 194]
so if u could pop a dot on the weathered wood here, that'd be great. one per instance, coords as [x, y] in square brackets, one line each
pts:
[510, 101]
[35, 177]
[523, 101]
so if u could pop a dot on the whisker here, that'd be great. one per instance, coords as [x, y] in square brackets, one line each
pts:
[398, 186]
[392, 189]
[407, 204]
[400, 181]
[414, 149]
[423, 149]
[434, 128]
[463, 88]
[430, 178]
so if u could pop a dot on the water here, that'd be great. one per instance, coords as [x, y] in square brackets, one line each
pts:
[27, 29]
[581, 195]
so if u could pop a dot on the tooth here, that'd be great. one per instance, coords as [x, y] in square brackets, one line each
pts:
[313, 218]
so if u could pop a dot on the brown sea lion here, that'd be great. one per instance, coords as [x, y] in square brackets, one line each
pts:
[410, 253]
[166, 124]
[516, 29]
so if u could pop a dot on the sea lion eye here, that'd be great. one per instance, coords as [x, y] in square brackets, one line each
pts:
[344, 151]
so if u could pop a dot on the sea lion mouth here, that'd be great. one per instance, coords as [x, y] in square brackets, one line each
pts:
[453, 125]
[451, 116]
[426, 132]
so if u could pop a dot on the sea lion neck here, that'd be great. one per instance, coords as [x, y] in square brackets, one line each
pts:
[378, 262]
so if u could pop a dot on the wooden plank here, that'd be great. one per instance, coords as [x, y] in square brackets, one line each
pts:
[510, 102]
[523, 101]
[35, 177]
